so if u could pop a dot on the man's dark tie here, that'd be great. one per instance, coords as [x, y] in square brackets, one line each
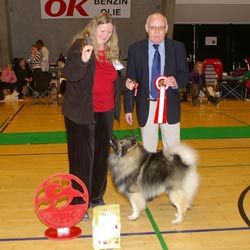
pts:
[156, 71]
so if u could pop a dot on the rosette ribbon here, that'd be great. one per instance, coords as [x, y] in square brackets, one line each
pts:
[161, 108]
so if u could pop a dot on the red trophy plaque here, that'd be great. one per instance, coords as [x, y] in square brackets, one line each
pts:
[54, 206]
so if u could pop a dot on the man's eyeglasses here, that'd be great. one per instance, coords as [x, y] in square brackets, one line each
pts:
[155, 28]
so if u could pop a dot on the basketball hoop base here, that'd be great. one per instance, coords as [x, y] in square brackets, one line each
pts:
[63, 233]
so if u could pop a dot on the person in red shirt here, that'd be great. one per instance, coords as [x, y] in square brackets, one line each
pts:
[91, 102]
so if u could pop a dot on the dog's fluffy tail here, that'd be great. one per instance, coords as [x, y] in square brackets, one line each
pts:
[190, 182]
[188, 155]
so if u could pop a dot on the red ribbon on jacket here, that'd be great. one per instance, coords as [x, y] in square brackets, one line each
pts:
[161, 108]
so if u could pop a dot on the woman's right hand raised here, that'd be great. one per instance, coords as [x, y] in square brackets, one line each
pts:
[86, 52]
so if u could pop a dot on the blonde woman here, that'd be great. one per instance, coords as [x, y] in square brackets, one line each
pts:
[91, 102]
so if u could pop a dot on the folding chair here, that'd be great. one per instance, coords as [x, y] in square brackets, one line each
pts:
[230, 86]
[41, 87]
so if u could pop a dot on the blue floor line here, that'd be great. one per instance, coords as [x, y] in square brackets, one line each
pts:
[205, 230]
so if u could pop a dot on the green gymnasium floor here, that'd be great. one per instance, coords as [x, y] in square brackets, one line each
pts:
[186, 134]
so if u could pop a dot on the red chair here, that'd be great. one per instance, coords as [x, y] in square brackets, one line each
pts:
[213, 73]
[218, 67]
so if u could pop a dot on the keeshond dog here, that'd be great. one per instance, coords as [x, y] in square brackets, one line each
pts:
[141, 176]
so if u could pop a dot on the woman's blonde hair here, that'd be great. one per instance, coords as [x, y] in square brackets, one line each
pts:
[197, 65]
[111, 47]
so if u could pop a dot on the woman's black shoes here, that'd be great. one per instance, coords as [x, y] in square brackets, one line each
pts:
[98, 203]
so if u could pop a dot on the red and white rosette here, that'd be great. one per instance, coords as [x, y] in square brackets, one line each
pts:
[161, 108]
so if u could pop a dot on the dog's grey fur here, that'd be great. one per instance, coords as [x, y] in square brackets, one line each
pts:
[141, 175]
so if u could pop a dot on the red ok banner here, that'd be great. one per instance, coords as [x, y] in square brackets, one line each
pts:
[54, 9]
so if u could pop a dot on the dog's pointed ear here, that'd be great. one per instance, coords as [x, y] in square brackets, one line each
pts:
[113, 137]
[134, 139]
